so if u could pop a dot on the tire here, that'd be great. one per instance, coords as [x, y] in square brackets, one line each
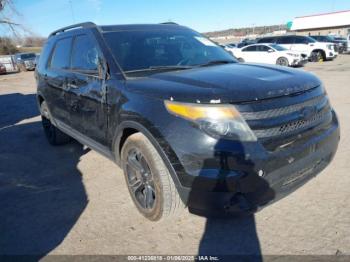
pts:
[282, 61]
[317, 56]
[53, 134]
[241, 60]
[148, 179]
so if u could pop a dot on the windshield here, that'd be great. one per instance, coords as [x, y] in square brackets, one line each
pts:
[28, 56]
[340, 38]
[310, 39]
[278, 47]
[137, 50]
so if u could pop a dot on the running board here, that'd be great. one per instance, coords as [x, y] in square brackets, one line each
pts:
[87, 141]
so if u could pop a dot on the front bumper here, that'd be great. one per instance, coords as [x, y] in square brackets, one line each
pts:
[299, 62]
[331, 54]
[242, 178]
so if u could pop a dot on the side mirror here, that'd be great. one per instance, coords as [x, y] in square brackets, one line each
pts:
[270, 51]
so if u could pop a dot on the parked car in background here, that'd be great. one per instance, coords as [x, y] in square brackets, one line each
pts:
[348, 44]
[2, 69]
[36, 60]
[228, 48]
[315, 51]
[340, 43]
[9, 62]
[25, 61]
[270, 54]
[187, 123]
[232, 45]
[245, 43]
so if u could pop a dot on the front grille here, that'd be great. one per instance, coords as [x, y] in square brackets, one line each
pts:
[336, 48]
[278, 126]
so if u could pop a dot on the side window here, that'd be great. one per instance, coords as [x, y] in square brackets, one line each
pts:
[60, 55]
[84, 54]
[286, 40]
[262, 48]
[249, 49]
[267, 40]
[301, 40]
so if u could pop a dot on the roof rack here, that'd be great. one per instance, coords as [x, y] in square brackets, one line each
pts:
[80, 25]
[169, 23]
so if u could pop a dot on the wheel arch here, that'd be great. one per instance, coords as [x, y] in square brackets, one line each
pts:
[126, 129]
[322, 52]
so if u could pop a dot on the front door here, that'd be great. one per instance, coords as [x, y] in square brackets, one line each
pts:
[86, 90]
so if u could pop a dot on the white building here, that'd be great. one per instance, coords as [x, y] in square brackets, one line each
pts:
[335, 23]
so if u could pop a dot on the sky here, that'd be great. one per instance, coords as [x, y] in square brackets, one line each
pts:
[45, 16]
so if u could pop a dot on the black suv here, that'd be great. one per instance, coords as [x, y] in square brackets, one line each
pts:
[188, 124]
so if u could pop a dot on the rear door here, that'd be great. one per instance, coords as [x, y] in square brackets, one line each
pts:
[87, 100]
[262, 54]
[248, 53]
[55, 78]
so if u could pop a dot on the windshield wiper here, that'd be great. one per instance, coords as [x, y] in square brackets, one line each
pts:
[159, 68]
[217, 62]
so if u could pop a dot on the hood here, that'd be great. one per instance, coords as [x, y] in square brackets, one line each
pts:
[230, 83]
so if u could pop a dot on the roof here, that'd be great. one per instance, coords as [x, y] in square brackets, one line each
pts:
[124, 27]
[132, 27]
[326, 20]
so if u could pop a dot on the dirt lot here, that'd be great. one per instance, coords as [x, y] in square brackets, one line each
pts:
[69, 200]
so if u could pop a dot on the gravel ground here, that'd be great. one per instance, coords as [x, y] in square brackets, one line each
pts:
[70, 200]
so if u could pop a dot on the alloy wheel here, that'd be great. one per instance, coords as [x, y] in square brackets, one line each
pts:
[140, 180]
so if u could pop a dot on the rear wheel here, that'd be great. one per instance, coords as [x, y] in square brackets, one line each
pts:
[53, 134]
[148, 179]
[282, 61]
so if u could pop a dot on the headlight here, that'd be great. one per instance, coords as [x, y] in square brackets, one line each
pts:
[294, 55]
[330, 47]
[215, 120]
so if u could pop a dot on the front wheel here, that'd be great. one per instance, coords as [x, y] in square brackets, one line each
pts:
[317, 56]
[282, 61]
[148, 179]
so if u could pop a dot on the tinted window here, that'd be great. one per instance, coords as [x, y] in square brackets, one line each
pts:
[84, 54]
[249, 49]
[262, 48]
[61, 53]
[301, 40]
[142, 49]
[28, 56]
[286, 40]
[267, 40]
[278, 47]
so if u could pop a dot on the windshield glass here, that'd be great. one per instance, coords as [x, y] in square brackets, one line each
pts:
[310, 39]
[137, 50]
[28, 56]
[278, 47]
